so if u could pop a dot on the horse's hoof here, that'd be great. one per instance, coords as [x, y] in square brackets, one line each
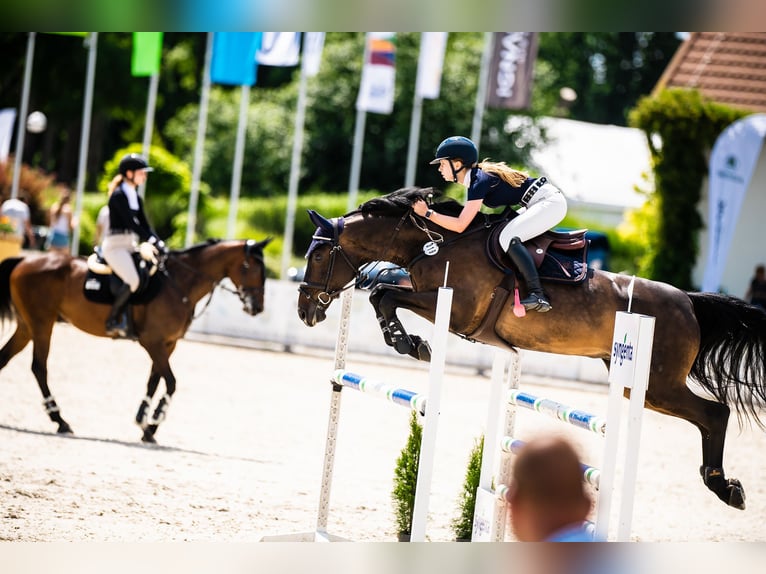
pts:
[403, 346]
[148, 438]
[423, 350]
[64, 428]
[736, 494]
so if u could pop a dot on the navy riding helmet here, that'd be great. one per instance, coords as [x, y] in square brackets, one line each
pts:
[457, 147]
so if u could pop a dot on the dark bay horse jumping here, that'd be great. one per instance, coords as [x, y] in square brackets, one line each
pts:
[717, 341]
[38, 289]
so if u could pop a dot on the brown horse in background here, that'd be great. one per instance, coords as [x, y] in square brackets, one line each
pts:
[39, 289]
[718, 341]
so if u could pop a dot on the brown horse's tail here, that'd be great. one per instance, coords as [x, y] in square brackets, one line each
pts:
[731, 362]
[6, 266]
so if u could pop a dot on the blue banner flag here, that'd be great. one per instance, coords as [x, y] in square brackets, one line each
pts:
[234, 58]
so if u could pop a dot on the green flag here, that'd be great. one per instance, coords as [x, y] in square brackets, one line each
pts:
[147, 52]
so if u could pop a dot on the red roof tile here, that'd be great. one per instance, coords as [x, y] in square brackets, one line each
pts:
[726, 67]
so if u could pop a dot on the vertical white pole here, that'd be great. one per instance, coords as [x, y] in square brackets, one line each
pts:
[21, 130]
[239, 153]
[295, 171]
[199, 146]
[92, 42]
[635, 413]
[428, 442]
[341, 346]
[151, 104]
[481, 92]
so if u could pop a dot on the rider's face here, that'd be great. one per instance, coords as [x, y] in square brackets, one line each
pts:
[446, 170]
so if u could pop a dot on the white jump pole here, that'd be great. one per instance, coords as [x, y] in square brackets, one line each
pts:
[428, 441]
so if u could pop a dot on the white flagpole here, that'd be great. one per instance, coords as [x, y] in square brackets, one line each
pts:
[239, 152]
[22, 117]
[295, 169]
[92, 43]
[191, 220]
[356, 154]
[481, 92]
[412, 152]
[151, 104]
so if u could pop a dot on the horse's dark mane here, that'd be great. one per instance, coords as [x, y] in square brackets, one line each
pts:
[200, 246]
[401, 200]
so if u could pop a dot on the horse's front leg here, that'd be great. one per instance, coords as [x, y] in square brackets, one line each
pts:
[160, 354]
[142, 416]
[386, 299]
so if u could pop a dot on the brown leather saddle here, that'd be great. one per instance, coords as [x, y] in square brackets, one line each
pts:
[558, 255]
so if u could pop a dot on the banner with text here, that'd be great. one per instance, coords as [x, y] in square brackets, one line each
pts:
[511, 70]
[732, 162]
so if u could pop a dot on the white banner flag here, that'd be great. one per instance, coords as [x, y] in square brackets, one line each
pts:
[376, 91]
[430, 64]
[279, 49]
[7, 119]
[313, 43]
[732, 162]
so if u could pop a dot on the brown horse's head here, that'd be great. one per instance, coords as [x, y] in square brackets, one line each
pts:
[329, 271]
[378, 230]
[249, 276]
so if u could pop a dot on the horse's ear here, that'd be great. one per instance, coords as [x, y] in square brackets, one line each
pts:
[264, 243]
[319, 220]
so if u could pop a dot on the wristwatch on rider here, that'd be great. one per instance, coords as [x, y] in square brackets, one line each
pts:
[429, 213]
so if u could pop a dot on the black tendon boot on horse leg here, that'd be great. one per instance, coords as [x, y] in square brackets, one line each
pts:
[117, 322]
[536, 299]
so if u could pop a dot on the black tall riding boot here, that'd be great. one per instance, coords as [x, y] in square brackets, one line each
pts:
[117, 322]
[536, 300]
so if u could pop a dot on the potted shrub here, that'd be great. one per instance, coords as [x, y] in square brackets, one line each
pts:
[406, 479]
[462, 526]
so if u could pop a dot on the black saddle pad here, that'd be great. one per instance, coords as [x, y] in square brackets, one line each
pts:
[98, 288]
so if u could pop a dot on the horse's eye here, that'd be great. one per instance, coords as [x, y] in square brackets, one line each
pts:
[317, 257]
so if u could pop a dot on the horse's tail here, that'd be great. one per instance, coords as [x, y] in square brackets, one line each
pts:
[731, 362]
[6, 266]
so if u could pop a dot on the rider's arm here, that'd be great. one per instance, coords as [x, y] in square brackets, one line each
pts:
[457, 224]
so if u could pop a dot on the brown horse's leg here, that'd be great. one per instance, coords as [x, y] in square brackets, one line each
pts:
[711, 418]
[386, 299]
[41, 347]
[14, 345]
[160, 353]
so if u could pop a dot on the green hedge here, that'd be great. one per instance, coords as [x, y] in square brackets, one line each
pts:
[687, 126]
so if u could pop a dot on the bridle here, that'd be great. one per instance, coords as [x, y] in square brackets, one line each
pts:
[323, 295]
[252, 255]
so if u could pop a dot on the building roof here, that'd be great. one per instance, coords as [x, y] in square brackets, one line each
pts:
[726, 67]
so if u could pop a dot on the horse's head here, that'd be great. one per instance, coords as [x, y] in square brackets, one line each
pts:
[378, 230]
[329, 271]
[248, 274]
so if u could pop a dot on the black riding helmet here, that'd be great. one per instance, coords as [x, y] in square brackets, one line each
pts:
[133, 162]
[457, 147]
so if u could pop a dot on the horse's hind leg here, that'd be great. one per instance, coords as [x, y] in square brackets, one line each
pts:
[40, 370]
[711, 418]
[14, 345]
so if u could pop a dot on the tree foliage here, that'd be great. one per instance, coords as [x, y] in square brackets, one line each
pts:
[611, 71]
